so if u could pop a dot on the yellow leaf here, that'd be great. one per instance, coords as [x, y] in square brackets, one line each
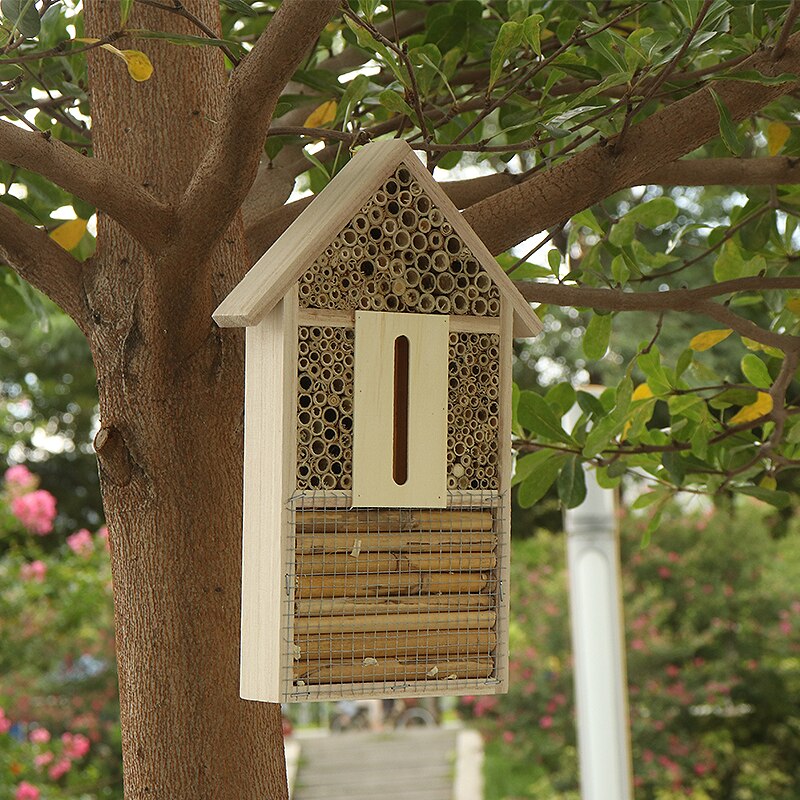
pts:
[642, 392]
[794, 305]
[69, 234]
[777, 134]
[321, 115]
[762, 405]
[707, 339]
[768, 482]
[139, 66]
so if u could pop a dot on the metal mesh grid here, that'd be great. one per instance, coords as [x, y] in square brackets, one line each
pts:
[387, 602]
[399, 253]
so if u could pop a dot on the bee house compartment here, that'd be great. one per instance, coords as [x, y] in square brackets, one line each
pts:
[377, 444]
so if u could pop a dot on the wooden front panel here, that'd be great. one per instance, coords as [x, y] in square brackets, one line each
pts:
[400, 410]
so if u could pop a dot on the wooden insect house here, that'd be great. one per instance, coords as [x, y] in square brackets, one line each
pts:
[377, 445]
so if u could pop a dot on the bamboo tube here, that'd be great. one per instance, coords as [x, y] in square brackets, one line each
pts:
[403, 644]
[409, 219]
[436, 217]
[392, 302]
[422, 204]
[446, 228]
[435, 240]
[451, 562]
[424, 225]
[443, 304]
[401, 240]
[403, 176]
[426, 303]
[445, 282]
[453, 245]
[377, 584]
[380, 197]
[459, 302]
[404, 198]
[346, 563]
[493, 307]
[440, 261]
[375, 215]
[462, 281]
[479, 307]
[385, 670]
[327, 481]
[443, 520]
[414, 621]
[419, 242]
[392, 541]
[360, 223]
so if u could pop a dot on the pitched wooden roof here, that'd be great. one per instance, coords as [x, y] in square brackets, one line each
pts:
[304, 240]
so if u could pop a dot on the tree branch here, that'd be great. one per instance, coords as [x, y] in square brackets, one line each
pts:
[45, 265]
[91, 179]
[779, 170]
[697, 301]
[600, 170]
[229, 167]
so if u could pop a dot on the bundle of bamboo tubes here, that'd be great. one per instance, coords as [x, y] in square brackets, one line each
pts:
[473, 412]
[397, 233]
[394, 595]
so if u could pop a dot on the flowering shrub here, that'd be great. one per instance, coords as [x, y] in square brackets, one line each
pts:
[59, 729]
[712, 611]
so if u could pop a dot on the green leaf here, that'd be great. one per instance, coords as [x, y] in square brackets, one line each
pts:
[395, 103]
[535, 415]
[590, 405]
[354, 93]
[561, 396]
[598, 333]
[188, 40]
[554, 260]
[508, 38]
[540, 479]
[675, 466]
[23, 16]
[647, 499]
[572, 483]
[778, 499]
[531, 31]
[730, 263]
[653, 213]
[727, 127]
[588, 220]
[755, 370]
[125, 7]
[530, 463]
[240, 7]
[754, 76]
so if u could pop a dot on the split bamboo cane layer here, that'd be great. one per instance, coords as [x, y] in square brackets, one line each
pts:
[388, 595]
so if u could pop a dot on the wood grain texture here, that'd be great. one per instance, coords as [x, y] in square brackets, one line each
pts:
[336, 318]
[269, 427]
[446, 521]
[373, 404]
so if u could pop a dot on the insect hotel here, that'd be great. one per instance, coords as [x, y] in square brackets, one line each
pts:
[377, 445]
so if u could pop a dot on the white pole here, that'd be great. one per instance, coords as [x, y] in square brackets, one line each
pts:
[598, 641]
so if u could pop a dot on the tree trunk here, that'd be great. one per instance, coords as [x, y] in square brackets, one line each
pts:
[170, 445]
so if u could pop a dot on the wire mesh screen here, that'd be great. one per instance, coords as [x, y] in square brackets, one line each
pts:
[386, 602]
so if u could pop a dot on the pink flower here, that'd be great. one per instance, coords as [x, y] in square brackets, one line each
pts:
[75, 745]
[35, 571]
[508, 737]
[43, 759]
[81, 542]
[35, 510]
[5, 722]
[27, 791]
[39, 736]
[102, 535]
[59, 769]
[664, 572]
[20, 480]
[546, 722]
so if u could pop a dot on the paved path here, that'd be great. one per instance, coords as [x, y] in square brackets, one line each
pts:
[414, 764]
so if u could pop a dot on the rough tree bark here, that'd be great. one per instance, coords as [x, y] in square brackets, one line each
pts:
[170, 446]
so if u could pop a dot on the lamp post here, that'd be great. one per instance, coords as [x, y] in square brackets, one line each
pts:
[598, 641]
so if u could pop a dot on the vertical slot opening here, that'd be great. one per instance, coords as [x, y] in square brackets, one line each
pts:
[400, 411]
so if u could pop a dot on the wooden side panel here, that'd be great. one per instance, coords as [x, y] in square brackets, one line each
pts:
[507, 321]
[269, 432]
[373, 410]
